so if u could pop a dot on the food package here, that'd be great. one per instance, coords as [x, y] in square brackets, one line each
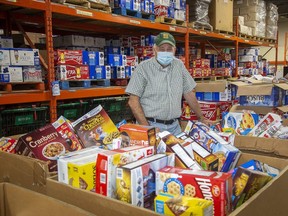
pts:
[96, 128]
[209, 185]
[108, 161]
[8, 144]
[135, 182]
[169, 204]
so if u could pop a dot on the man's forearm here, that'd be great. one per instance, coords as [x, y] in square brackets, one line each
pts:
[134, 104]
[194, 105]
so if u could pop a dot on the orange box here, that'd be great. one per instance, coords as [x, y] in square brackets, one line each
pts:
[134, 134]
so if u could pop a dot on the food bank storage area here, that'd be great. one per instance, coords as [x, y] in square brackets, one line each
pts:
[66, 64]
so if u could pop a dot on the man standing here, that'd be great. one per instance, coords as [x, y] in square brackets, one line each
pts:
[157, 86]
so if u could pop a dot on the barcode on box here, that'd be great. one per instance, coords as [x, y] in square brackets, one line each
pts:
[119, 174]
[102, 178]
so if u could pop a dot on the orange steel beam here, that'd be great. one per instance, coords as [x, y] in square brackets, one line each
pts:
[236, 58]
[93, 92]
[38, 5]
[187, 48]
[276, 53]
[285, 48]
[19, 98]
[279, 62]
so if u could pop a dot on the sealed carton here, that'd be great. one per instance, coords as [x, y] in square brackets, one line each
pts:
[68, 57]
[72, 72]
[5, 57]
[8, 144]
[135, 182]
[95, 128]
[215, 186]
[108, 161]
[24, 57]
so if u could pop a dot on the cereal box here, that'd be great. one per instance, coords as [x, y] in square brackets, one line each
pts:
[246, 183]
[63, 126]
[62, 161]
[239, 123]
[95, 128]
[214, 186]
[169, 204]
[8, 144]
[133, 134]
[210, 111]
[135, 182]
[173, 144]
[46, 144]
[108, 161]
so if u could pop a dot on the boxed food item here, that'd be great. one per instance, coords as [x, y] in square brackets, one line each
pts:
[214, 186]
[63, 160]
[135, 182]
[108, 161]
[246, 183]
[32, 74]
[45, 143]
[24, 57]
[93, 58]
[210, 111]
[172, 144]
[11, 74]
[8, 144]
[5, 57]
[63, 126]
[169, 204]
[240, 123]
[95, 128]
[201, 63]
[133, 134]
[71, 72]
[69, 57]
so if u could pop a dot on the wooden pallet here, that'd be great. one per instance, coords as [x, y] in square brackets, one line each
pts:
[76, 84]
[137, 14]
[245, 36]
[224, 32]
[82, 3]
[99, 6]
[211, 78]
[199, 26]
[170, 21]
[22, 87]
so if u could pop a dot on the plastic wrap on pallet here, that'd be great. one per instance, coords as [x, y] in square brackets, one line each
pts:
[260, 29]
[272, 14]
[271, 32]
[198, 12]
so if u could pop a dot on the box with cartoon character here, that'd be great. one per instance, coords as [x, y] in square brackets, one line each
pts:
[239, 123]
[96, 128]
[169, 204]
[109, 160]
[246, 183]
[135, 182]
[209, 185]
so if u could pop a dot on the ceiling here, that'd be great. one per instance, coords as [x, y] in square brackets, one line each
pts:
[282, 7]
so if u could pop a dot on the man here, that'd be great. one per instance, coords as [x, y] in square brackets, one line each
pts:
[157, 86]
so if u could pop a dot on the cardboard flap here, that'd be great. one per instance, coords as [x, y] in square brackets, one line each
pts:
[255, 90]
[211, 86]
[20, 170]
[239, 83]
[283, 86]
[283, 109]
[257, 109]
[276, 147]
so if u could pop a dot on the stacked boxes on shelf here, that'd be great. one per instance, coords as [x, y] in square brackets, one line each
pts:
[172, 9]
[248, 61]
[272, 21]
[200, 68]
[143, 6]
[198, 13]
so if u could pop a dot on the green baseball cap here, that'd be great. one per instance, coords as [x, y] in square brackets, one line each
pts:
[165, 37]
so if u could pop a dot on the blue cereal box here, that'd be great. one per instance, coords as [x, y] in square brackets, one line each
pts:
[93, 58]
[260, 166]
[95, 72]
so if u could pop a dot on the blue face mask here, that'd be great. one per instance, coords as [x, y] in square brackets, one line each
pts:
[165, 58]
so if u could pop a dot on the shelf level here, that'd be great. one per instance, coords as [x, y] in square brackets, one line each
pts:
[18, 98]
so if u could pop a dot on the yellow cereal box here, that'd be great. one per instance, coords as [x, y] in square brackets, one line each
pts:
[182, 205]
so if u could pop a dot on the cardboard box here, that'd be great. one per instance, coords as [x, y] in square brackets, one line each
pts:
[71, 72]
[32, 74]
[13, 203]
[69, 57]
[5, 57]
[24, 57]
[221, 15]
[213, 91]
[11, 74]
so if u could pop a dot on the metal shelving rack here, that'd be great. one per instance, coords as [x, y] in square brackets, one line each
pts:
[45, 16]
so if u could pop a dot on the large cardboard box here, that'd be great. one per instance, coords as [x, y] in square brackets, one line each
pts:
[17, 200]
[221, 15]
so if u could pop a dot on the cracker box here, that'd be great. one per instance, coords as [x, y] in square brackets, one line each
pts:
[69, 57]
[133, 134]
[239, 123]
[246, 183]
[172, 144]
[204, 158]
[71, 72]
[264, 123]
[169, 204]
[8, 144]
[46, 144]
[63, 160]
[135, 182]
[108, 161]
[65, 129]
[214, 186]
[95, 128]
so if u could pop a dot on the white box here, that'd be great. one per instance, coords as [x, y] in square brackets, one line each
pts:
[162, 2]
[108, 161]
[24, 57]
[240, 20]
[246, 30]
[120, 72]
[89, 41]
[254, 17]
[249, 51]
[32, 74]
[99, 42]
[6, 42]
[73, 40]
[4, 57]
[16, 74]
[246, 58]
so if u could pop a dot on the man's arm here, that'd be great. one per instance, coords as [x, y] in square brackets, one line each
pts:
[194, 105]
[134, 103]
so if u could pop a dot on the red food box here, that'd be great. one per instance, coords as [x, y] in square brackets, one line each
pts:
[71, 72]
[209, 185]
[46, 144]
[210, 110]
[196, 72]
[8, 144]
[201, 63]
[70, 57]
[144, 51]
[132, 60]
[160, 10]
[222, 72]
[224, 106]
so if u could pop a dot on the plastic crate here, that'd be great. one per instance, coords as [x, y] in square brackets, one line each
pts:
[23, 120]
[72, 111]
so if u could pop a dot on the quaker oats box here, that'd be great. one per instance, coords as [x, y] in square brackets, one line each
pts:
[46, 144]
[209, 185]
[96, 128]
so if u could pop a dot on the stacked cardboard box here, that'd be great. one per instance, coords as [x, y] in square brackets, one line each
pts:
[272, 21]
